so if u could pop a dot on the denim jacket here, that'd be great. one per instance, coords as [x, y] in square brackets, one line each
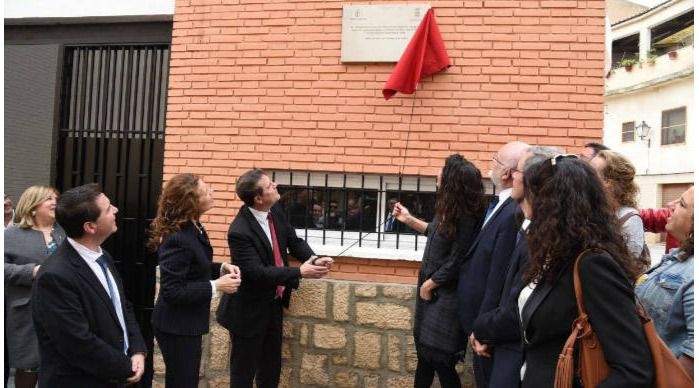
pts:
[667, 293]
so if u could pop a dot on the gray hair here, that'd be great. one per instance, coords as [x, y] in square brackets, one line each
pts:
[539, 154]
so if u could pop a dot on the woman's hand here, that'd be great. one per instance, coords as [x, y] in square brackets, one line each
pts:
[401, 213]
[426, 290]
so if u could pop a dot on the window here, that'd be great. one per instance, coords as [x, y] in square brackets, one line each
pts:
[625, 48]
[347, 214]
[674, 122]
[627, 132]
[673, 34]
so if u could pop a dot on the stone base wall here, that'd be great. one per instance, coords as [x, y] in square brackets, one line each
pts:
[336, 334]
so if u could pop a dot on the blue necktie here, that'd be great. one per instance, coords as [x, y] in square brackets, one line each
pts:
[112, 295]
[491, 207]
[520, 234]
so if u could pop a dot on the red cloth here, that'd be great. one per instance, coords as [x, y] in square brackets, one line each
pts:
[654, 221]
[424, 56]
[275, 250]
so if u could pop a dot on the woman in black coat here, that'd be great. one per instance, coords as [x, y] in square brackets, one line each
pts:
[570, 214]
[439, 339]
[188, 277]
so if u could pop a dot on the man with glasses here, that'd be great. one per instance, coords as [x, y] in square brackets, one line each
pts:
[497, 332]
[482, 273]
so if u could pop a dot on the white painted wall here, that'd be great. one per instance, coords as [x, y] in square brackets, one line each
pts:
[647, 104]
[86, 8]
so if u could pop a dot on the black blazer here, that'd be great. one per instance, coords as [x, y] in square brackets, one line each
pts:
[80, 338]
[500, 327]
[248, 311]
[482, 273]
[549, 312]
[186, 269]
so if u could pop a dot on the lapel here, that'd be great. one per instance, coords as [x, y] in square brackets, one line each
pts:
[84, 271]
[514, 268]
[257, 229]
[538, 296]
[203, 237]
[488, 225]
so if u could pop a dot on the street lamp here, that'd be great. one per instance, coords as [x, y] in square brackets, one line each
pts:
[643, 133]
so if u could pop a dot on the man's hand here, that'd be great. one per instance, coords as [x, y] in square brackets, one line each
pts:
[426, 290]
[138, 362]
[479, 348]
[230, 268]
[228, 283]
[35, 270]
[325, 261]
[310, 271]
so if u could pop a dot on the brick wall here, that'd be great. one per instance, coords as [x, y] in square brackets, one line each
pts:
[260, 83]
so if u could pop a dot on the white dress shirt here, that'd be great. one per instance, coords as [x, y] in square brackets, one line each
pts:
[261, 218]
[502, 197]
[90, 258]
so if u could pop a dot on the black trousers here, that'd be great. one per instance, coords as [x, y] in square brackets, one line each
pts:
[182, 356]
[258, 358]
[424, 374]
[482, 368]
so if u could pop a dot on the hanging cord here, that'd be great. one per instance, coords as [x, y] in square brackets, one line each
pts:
[400, 173]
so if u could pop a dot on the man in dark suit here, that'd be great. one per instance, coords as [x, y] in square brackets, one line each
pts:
[496, 333]
[88, 335]
[482, 273]
[259, 239]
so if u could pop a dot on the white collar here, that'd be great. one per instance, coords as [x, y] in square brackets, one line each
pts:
[504, 194]
[85, 252]
[260, 216]
[525, 224]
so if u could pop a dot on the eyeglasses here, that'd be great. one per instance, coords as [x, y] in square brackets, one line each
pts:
[496, 160]
[562, 156]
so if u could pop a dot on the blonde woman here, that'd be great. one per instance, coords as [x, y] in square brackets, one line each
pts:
[28, 242]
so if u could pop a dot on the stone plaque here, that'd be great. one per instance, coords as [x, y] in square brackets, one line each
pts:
[378, 32]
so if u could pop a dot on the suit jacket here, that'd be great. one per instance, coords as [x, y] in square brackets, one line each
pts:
[24, 249]
[186, 269]
[482, 273]
[548, 315]
[80, 338]
[500, 327]
[248, 311]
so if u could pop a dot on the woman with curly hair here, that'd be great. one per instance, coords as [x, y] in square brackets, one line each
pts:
[458, 213]
[617, 174]
[188, 277]
[28, 242]
[667, 290]
[570, 214]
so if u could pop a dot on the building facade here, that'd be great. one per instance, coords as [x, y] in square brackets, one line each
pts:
[656, 89]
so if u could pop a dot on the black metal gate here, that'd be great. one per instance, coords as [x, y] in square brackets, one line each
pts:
[112, 126]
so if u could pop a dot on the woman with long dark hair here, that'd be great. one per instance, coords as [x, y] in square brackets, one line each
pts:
[458, 213]
[667, 289]
[570, 214]
[188, 277]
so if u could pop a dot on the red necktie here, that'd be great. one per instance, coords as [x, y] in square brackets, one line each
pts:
[275, 250]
